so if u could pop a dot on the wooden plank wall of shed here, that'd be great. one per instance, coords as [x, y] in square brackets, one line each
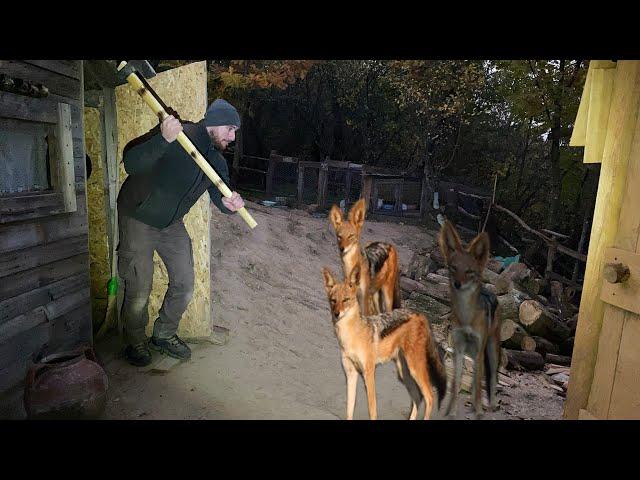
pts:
[45, 259]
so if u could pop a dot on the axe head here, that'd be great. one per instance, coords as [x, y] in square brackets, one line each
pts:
[143, 67]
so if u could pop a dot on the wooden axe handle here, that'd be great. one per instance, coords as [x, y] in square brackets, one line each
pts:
[189, 147]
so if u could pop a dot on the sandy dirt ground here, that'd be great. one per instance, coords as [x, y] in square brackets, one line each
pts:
[282, 359]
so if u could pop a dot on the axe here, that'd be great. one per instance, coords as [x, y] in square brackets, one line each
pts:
[129, 71]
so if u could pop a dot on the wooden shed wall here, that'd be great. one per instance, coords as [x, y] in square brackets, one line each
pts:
[44, 262]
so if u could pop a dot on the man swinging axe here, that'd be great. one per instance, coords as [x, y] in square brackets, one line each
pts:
[162, 186]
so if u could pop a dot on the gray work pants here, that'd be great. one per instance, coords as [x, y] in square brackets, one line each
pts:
[138, 241]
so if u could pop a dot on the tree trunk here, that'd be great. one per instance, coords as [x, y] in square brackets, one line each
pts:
[504, 282]
[544, 346]
[539, 321]
[558, 359]
[528, 344]
[511, 334]
[525, 360]
[438, 291]
[510, 305]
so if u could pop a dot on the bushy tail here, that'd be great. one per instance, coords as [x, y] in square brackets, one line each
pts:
[437, 370]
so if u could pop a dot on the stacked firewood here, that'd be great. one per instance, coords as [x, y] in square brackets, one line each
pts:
[537, 330]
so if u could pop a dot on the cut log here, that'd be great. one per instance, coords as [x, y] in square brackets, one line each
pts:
[431, 307]
[511, 334]
[510, 304]
[443, 271]
[525, 360]
[435, 278]
[543, 346]
[541, 299]
[437, 258]
[504, 358]
[490, 276]
[539, 321]
[420, 265]
[528, 344]
[504, 282]
[572, 323]
[528, 283]
[558, 359]
[438, 291]
[489, 287]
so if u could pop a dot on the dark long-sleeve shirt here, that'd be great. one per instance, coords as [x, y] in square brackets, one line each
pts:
[164, 182]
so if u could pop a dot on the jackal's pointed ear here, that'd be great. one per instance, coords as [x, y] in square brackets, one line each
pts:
[335, 215]
[354, 276]
[357, 213]
[449, 240]
[329, 281]
[480, 248]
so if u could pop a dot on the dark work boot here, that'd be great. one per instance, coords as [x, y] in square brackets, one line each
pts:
[138, 355]
[172, 346]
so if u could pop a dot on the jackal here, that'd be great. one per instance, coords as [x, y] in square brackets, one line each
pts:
[475, 318]
[379, 288]
[402, 336]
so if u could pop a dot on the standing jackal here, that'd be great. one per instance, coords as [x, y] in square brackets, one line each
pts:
[379, 288]
[365, 341]
[475, 318]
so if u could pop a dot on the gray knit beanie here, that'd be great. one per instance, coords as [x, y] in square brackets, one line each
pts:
[220, 113]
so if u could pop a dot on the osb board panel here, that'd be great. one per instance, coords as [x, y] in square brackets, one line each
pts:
[98, 238]
[625, 295]
[185, 90]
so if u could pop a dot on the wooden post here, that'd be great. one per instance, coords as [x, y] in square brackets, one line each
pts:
[110, 143]
[425, 201]
[397, 194]
[300, 183]
[322, 184]
[374, 197]
[589, 344]
[347, 181]
[367, 182]
[270, 169]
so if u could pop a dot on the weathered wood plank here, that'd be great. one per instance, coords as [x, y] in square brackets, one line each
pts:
[20, 353]
[21, 323]
[69, 302]
[33, 213]
[25, 302]
[27, 108]
[26, 206]
[21, 260]
[58, 84]
[72, 329]
[21, 203]
[44, 275]
[68, 68]
[23, 345]
[40, 109]
[50, 229]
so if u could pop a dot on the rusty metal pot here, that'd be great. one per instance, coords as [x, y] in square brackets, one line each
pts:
[66, 385]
